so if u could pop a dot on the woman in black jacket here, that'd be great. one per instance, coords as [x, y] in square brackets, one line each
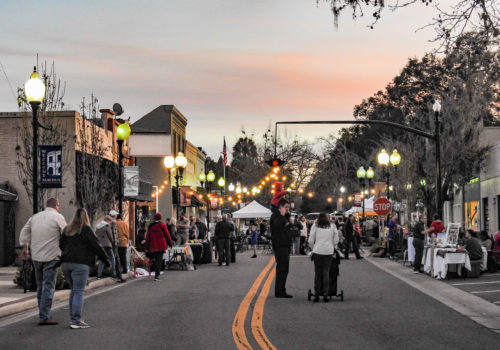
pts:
[79, 246]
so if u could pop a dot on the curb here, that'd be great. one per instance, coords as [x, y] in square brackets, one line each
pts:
[60, 295]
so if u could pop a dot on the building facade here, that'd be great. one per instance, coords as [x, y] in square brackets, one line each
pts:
[157, 134]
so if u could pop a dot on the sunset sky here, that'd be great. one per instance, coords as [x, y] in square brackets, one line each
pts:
[225, 64]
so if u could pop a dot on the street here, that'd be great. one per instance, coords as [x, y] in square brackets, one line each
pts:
[197, 309]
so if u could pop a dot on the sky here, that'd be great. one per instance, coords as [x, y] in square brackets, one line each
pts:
[225, 64]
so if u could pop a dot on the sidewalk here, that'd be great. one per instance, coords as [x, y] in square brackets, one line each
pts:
[14, 300]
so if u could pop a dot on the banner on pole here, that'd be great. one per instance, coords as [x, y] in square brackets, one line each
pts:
[51, 166]
[131, 181]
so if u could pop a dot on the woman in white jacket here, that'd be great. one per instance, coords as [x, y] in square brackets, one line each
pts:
[322, 239]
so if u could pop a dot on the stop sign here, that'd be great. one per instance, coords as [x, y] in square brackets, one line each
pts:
[382, 206]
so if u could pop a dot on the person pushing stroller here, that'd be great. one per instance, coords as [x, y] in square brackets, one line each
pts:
[323, 239]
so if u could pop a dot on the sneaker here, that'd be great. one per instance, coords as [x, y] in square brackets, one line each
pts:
[156, 279]
[254, 256]
[78, 325]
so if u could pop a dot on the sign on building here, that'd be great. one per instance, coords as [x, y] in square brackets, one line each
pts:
[131, 181]
[51, 166]
[214, 203]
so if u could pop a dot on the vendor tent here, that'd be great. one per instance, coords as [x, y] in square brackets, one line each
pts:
[252, 210]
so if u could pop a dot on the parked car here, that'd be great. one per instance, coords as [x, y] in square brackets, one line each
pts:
[311, 217]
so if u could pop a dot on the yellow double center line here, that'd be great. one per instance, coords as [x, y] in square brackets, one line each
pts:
[239, 334]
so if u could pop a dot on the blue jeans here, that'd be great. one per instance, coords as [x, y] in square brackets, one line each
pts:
[111, 256]
[76, 275]
[46, 274]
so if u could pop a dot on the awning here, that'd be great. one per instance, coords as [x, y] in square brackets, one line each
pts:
[191, 198]
[7, 196]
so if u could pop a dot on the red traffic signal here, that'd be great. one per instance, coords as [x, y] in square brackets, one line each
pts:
[275, 162]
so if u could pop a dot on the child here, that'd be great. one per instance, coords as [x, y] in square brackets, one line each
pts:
[279, 192]
[253, 241]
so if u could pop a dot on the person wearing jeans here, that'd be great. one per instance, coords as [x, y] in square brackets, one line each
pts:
[41, 234]
[46, 274]
[322, 239]
[76, 275]
[79, 246]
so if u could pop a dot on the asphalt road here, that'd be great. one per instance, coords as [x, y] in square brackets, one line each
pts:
[196, 309]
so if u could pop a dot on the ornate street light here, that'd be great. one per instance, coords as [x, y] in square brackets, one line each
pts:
[34, 89]
[361, 173]
[122, 133]
[370, 173]
[181, 163]
[395, 158]
[221, 182]
[231, 187]
[210, 176]
[202, 177]
[383, 158]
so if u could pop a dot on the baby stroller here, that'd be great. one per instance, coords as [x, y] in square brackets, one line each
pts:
[333, 287]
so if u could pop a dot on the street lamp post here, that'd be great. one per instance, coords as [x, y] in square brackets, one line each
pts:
[437, 121]
[157, 193]
[34, 90]
[342, 190]
[180, 163]
[384, 159]
[206, 181]
[122, 133]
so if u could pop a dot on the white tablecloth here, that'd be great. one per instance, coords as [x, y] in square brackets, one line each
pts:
[437, 266]
[411, 250]
[484, 262]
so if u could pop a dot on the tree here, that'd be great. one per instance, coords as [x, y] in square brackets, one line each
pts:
[96, 175]
[482, 16]
[54, 132]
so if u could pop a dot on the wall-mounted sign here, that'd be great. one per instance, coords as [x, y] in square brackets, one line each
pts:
[130, 181]
[51, 166]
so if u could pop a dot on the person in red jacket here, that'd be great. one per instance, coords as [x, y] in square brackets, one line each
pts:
[279, 192]
[157, 239]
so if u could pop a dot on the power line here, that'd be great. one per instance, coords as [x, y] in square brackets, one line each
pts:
[8, 81]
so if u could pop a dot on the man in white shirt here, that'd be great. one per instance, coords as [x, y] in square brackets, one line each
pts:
[41, 233]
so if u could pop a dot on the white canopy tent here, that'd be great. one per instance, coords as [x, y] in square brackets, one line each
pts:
[251, 211]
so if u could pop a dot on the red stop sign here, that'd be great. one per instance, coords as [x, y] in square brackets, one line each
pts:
[382, 206]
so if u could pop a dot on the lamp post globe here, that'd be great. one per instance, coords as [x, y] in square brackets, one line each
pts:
[370, 173]
[342, 189]
[221, 182]
[180, 160]
[123, 131]
[361, 173]
[210, 176]
[34, 89]
[395, 158]
[169, 162]
[383, 158]
[238, 189]
[436, 107]
[202, 177]
[231, 187]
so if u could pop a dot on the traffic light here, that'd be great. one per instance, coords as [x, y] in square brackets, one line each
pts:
[275, 162]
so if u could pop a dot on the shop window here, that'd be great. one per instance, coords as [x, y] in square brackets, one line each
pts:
[471, 215]
[486, 216]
